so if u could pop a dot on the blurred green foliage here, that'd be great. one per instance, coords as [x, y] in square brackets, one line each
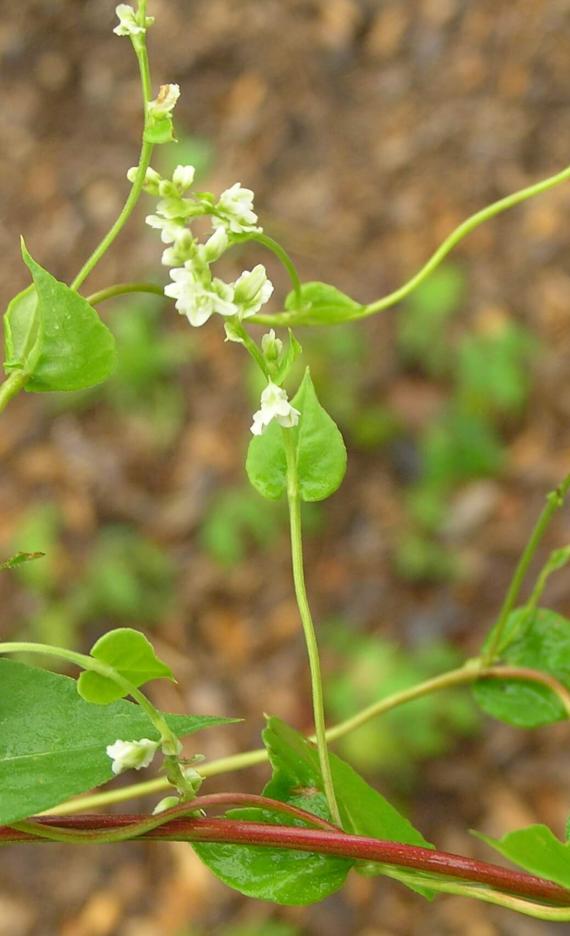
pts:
[124, 579]
[371, 668]
[484, 371]
[238, 521]
[263, 928]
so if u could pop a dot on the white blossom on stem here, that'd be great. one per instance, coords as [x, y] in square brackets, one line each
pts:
[129, 755]
[252, 290]
[274, 406]
[165, 101]
[197, 299]
[234, 210]
[128, 24]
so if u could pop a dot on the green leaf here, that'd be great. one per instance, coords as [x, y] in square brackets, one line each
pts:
[297, 780]
[288, 877]
[19, 559]
[321, 453]
[266, 463]
[160, 129]
[282, 876]
[132, 656]
[56, 336]
[52, 742]
[294, 877]
[322, 304]
[542, 643]
[20, 328]
[536, 849]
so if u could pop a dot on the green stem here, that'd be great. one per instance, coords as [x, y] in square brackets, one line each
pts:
[294, 317]
[281, 255]
[469, 673]
[121, 289]
[480, 892]
[307, 621]
[11, 387]
[554, 501]
[90, 663]
[144, 162]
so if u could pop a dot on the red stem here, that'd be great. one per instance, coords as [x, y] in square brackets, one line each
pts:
[355, 847]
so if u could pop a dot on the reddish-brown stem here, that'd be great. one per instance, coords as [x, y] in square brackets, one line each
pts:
[355, 847]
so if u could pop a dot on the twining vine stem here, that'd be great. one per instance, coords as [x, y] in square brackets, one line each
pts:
[354, 847]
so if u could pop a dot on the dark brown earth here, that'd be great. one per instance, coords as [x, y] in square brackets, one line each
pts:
[368, 130]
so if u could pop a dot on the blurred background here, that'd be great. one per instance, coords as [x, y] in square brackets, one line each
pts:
[368, 130]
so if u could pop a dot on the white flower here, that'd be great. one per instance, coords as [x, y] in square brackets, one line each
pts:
[274, 405]
[151, 179]
[128, 25]
[234, 210]
[252, 290]
[127, 755]
[183, 177]
[165, 101]
[171, 229]
[198, 300]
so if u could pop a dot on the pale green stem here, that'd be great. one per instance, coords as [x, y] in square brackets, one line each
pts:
[470, 672]
[294, 317]
[144, 162]
[307, 621]
[480, 892]
[122, 289]
[554, 502]
[11, 387]
[96, 666]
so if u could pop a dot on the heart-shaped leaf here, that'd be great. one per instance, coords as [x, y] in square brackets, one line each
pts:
[131, 655]
[55, 336]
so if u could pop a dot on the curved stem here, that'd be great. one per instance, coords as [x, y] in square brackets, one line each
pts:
[294, 317]
[281, 255]
[144, 162]
[360, 848]
[121, 289]
[471, 672]
[307, 620]
[554, 501]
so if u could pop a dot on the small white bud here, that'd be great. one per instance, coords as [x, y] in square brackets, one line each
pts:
[183, 177]
[167, 803]
[151, 180]
[252, 290]
[271, 346]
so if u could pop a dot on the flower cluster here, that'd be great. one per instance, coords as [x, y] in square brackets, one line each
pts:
[198, 293]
